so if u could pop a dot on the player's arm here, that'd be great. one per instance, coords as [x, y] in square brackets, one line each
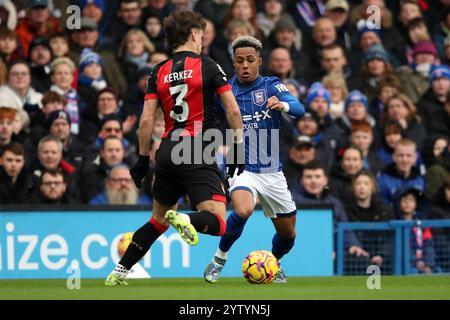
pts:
[146, 125]
[233, 114]
[284, 101]
[142, 166]
[235, 157]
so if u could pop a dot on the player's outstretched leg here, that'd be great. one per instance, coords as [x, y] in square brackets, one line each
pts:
[235, 226]
[142, 240]
[282, 242]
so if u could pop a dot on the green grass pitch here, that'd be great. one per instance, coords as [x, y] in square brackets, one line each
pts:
[392, 287]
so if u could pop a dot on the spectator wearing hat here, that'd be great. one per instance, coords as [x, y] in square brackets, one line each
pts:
[95, 171]
[62, 75]
[95, 10]
[59, 126]
[366, 37]
[309, 126]
[432, 104]
[389, 35]
[15, 180]
[90, 79]
[286, 35]
[40, 57]
[339, 12]
[318, 100]
[51, 101]
[300, 153]
[415, 77]
[375, 66]
[38, 22]
[87, 37]
[356, 110]
[272, 12]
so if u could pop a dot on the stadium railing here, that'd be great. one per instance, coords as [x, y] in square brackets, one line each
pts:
[399, 243]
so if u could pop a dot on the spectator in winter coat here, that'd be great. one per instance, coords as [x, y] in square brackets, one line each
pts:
[62, 74]
[90, 79]
[432, 105]
[15, 181]
[120, 189]
[313, 190]
[38, 22]
[402, 172]
[401, 109]
[366, 206]
[94, 173]
[350, 164]
[40, 58]
[53, 188]
[362, 137]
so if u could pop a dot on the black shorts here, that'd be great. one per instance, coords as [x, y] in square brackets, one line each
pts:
[199, 182]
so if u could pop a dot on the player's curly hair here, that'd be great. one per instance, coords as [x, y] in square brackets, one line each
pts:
[178, 25]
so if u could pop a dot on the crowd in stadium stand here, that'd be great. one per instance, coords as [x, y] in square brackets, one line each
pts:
[377, 98]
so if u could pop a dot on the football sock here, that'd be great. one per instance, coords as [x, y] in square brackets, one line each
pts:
[222, 255]
[235, 226]
[207, 222]
[281, 246]
[141, 242]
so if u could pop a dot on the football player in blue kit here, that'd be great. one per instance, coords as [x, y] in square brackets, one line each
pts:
[262, 100]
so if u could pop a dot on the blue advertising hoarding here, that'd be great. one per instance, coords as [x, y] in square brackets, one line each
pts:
[45, 244]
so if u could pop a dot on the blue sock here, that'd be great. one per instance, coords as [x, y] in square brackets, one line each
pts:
[235, 226]
[281, 246]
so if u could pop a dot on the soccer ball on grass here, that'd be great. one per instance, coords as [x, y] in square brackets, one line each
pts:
[260, 267]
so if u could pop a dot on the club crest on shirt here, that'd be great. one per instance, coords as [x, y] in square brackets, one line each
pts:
[259, 97]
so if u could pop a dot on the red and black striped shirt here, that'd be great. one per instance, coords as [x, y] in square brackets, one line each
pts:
[185, 86]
